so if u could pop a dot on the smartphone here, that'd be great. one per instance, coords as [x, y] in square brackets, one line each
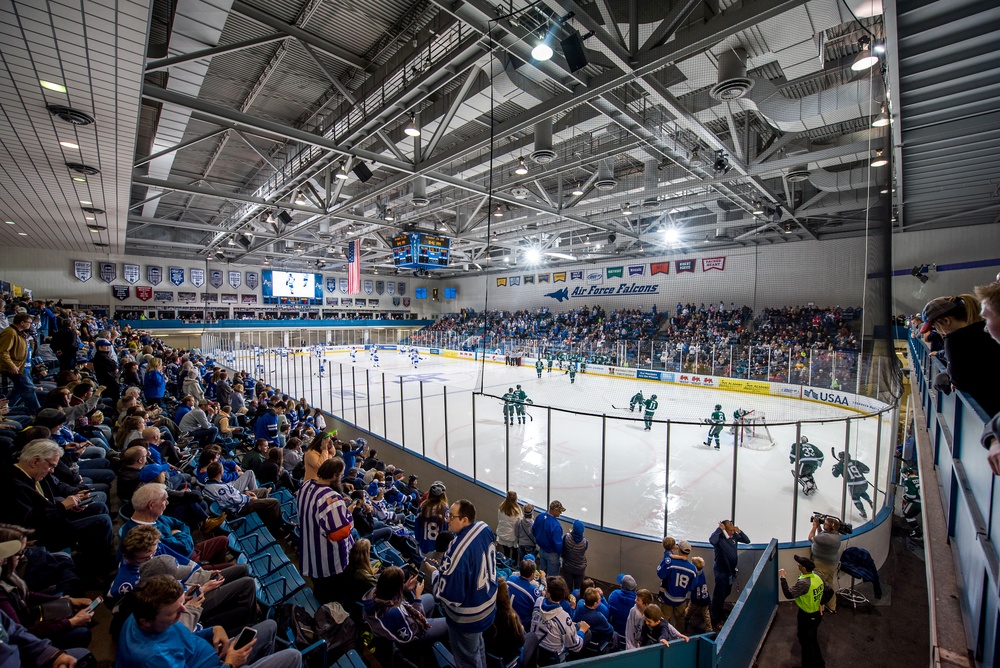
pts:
[246, 637]
[216, 575]
[93, 604]
[420, 577]
[193, 593]
[87, 500]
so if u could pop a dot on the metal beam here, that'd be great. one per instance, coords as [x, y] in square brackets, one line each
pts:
[165, 63]
[256, 150]
[449, 115]
[670, 24]
[610, 25]
[150, 199]
[177, 147]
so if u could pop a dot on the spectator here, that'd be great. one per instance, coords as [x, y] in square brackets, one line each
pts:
[319, 451]
[359, 576]
[231, 472]
[154, 383]
[574, 556]
[620, 603]
[153, 637]
[555, 628]
[989, 295]
[657, 629]
[432, 560]
[466, 585]
[676, 585]
[432, 517]
[196, 422]
[548, 536]
[65, 343]
[397, 609]
[106, 369]
[272, 471]
[586, 611]
[699, 617]
[292, 457]
[506, 637]
[13, 355]
[22, 648]
[724, 568]
[508, 516]
[253, 459]
[522, 533]
[825, 550]
[808, 595]
[190, 381]
[524, 590]
[242, 503]
[325, 527]
[637, 619]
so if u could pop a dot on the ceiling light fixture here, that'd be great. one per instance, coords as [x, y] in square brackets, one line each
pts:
[721, 165]
[671, 235]
[522, 168]
[69, 144]
[881, 120]
[342, 172]
[542, 50]
[695, 160]
[301, 200]
[51, 85]
[627, 209]
[411, 128]
[866, 59]
[85, 202]
[10, 222]
[23, 234]
[80, 179]
[578, 191]
[498, 212]
[388, 215]
[758, 208]
[879, 161]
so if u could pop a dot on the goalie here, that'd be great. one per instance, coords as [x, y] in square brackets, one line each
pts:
[810, 459]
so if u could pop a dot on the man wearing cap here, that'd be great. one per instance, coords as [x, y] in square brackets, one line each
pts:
[808, 595]
[548, 535]
[621, 602]
[13, 355]
[678, 582]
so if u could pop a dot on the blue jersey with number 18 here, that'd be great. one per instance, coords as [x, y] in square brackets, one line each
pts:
[466, 583]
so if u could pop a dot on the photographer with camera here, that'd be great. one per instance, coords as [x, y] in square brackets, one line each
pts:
[825, 539]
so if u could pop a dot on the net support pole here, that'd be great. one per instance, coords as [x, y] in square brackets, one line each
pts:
[795, 472]
[548, 454]
[447, 462]
[473, 435]
[847, 450]
[812, 355]
[666, 485]
[736, 450]
[385, 409]
[423, 429]
[354, 394]
[506, 455]
[368, 397]
[342, 409]
[878, 458]
[604, 461]
[402, 416]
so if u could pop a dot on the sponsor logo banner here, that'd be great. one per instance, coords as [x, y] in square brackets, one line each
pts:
[235, 279]
[215, 278]
[636, 269]
[130, 272]
[343, 285]
[576, 275]
[514, 280]
[187, 297]
[248, 299]
[615, 272]
[163, 296]
[620, 372]
[252, 278]
[390, 287]
[210, 296]
[688, 379]
[395, 301]
[435, 351]
[529, 279]
[379, 287]
[369, 286]
[109, 271]
[646, 374]
[659, 268]
[826, 396]
[401, 287]
[668, 376]
[685, 266]
[229, 298]
[543, 278]
[559, 277]
[197, 277]
[750, 386]
[468, 354]
[144, 293]
[406, 301]
[154, 275]
[502, 282]
[708, 263]
[595, 277]
[120, 292]
[787, 390]
[177, 275]
[83, 269]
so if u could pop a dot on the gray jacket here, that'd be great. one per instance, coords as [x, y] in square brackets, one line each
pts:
[574, 554]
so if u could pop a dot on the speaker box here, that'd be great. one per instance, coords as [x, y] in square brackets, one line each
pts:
[284, 217]
[572, 48]
[362, 172]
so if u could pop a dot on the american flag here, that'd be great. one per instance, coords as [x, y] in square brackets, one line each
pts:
[354, 267]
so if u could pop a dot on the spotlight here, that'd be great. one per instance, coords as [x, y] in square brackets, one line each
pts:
[695, 160]
[522, 168]
[498, 212]
[866, 59]
[775, 213]
[342, 172]
[301, 200]
[879, 161]
[881, 120]
[542, 50]
[532, 255]
[578, 191]
[270, 218]
[721, 165]
[671, 235]
[411, 128]
[587, 240]
[388, 216]
[612, 237]
[758, 208]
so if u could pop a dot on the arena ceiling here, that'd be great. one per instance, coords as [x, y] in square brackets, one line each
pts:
[245, 111]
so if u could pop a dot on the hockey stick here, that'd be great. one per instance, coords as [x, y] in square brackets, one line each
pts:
[619, 408]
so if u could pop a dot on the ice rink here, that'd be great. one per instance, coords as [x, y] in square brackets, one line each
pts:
[565, 454]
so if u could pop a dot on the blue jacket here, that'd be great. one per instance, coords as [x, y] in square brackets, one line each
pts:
[620, 602]
[154, 384]
[700, 594]
[19, 648]
[177, 646]
[727, 557]
[266, 426]
[466, 583]
[548, 533]
[181, 542]
[600, 627]
[679, 582]
[523, 594]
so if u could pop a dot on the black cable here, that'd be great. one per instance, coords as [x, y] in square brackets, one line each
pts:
[863, 27]
[489, 204]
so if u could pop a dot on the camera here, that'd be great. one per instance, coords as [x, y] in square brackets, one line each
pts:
[845, 528]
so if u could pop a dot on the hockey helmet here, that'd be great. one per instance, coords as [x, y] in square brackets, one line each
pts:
[653, 396]
[510, 389]
[519, 387]
[804, 439]
[718, 407]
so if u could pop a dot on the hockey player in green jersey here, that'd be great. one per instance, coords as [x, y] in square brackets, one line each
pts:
[651, 405]
[572, 372]
[911, 502]
[539, 366]
[636, 400]
[716, 420]
[550, 363]
[810, 459]
[738, 415]
[508, 406]
[583, 365]
[520, 399]
[562, 360]
[857, 484]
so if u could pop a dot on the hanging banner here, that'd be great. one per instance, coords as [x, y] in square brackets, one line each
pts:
[177, 275]
[395, 301]
[215, 278]
[154, 275]
[390, 287]
[406, 301]
[685, 266]
[530, 278]
[636, 269]
[343, 285]
[543, 278]
[235, 279]
[501, 282]
[595, 277]
[659, 268]
[576, 275]
[559, 277]
[197, 277]
[379, 287]
[369, 286]
[515, 280]
[401, 288]
[144, 293]
[331, 284]
[83, 269]
[187, 297]
[109, 271]
[120, 292]
[229, 298]
[252, 280]
[615, 272]
[130, 272]
[708, 263]
[163, 296]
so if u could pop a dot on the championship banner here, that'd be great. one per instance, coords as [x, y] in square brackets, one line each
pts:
[373, 302]
[559, 277]
[187, 297]
[530, 278]
[406, 301]
[215, 278]
[235, 279]
[248, 299]
[515, 280]
[210, 296]
[144, 293]
[379, 287]
[229, 298]
[154, 275]
[120, 292]
[109, 271]
[576, 275]
[343, 285]
[685, 266]
[331, 284]
[595, 277]
[369, 286]
[615, 272]
[659, 268]
[177, 275]
[501, 282]
[83, 269]
[395, 301]
[543, 278]
[197, 277]
[252, 280]
[360, 302]
[332, 301]
[390, 287]
[401, 288]
[130, 272]
[636, 269]
[163, 296]
[346, 302]
[708, 263]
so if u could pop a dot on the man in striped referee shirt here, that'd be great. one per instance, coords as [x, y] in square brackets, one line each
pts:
[325, 522]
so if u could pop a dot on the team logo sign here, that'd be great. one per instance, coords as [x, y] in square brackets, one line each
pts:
[83, 270]
[215, 278]
[576, 275]
[401, 288]
[369, 286]
[197, 277]
[406, 301]
[343, 285]
[109, 271]
[395, 301]
[235, 279]
[130, 272]
[708, 263]
[390, 287]
[177, 275]
[120, 292]
[595, 277]
[379, 287]
[143, 293]
[154, 275]
[252, 280]
[331, 284]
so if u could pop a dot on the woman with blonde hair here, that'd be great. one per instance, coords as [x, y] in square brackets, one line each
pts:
[318, 452]
[508, 516]
[130, 430]
[360, 575]
[190, 381]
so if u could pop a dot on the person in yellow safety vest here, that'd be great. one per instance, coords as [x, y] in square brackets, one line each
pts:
[808, 595]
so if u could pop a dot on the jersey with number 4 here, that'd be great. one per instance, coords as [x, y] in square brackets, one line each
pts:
[466, 583]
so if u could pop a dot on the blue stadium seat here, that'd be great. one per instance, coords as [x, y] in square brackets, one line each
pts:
[279, 586]
[267, 561]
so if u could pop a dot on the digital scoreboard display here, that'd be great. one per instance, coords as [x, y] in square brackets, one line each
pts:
[421, 251]
[291, 287]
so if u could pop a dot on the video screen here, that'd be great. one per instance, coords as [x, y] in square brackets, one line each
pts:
[420, 293]
[451, 293]
[290, 284]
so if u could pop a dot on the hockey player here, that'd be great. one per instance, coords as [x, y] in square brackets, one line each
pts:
[520, 399]
[414, 357]
[354, 355]
[857, 484]
[738, 416]
[572, 372]
[375, 359]
[322, 368]
[651, 405]
[716, 422]
[810, 459]
[508, 406]
[562, 361]
[911, 502]
[550, 362]
[539, 366]
[636, 400]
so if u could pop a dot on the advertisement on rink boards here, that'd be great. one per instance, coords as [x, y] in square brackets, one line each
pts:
[748, 386]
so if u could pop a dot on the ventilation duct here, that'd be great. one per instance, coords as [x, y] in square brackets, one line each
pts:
[606, 175]
[420, 192]
[650, 182]
[733, 82]
[798, 174]
[543, 152]
[854, 179]
[720, 233]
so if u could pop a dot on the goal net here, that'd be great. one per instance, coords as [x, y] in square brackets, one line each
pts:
[752, 432]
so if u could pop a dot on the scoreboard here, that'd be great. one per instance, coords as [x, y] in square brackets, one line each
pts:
[418, 250]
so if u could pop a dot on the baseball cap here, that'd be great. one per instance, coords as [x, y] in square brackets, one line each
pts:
[684, 547]
[936, 308]
[9, 548]
[805, 562]
[557, 505]
[50, 417]
[437, 489]
[626, 582]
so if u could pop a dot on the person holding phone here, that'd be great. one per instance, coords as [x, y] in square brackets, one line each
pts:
[325, 526]
[152, 637]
